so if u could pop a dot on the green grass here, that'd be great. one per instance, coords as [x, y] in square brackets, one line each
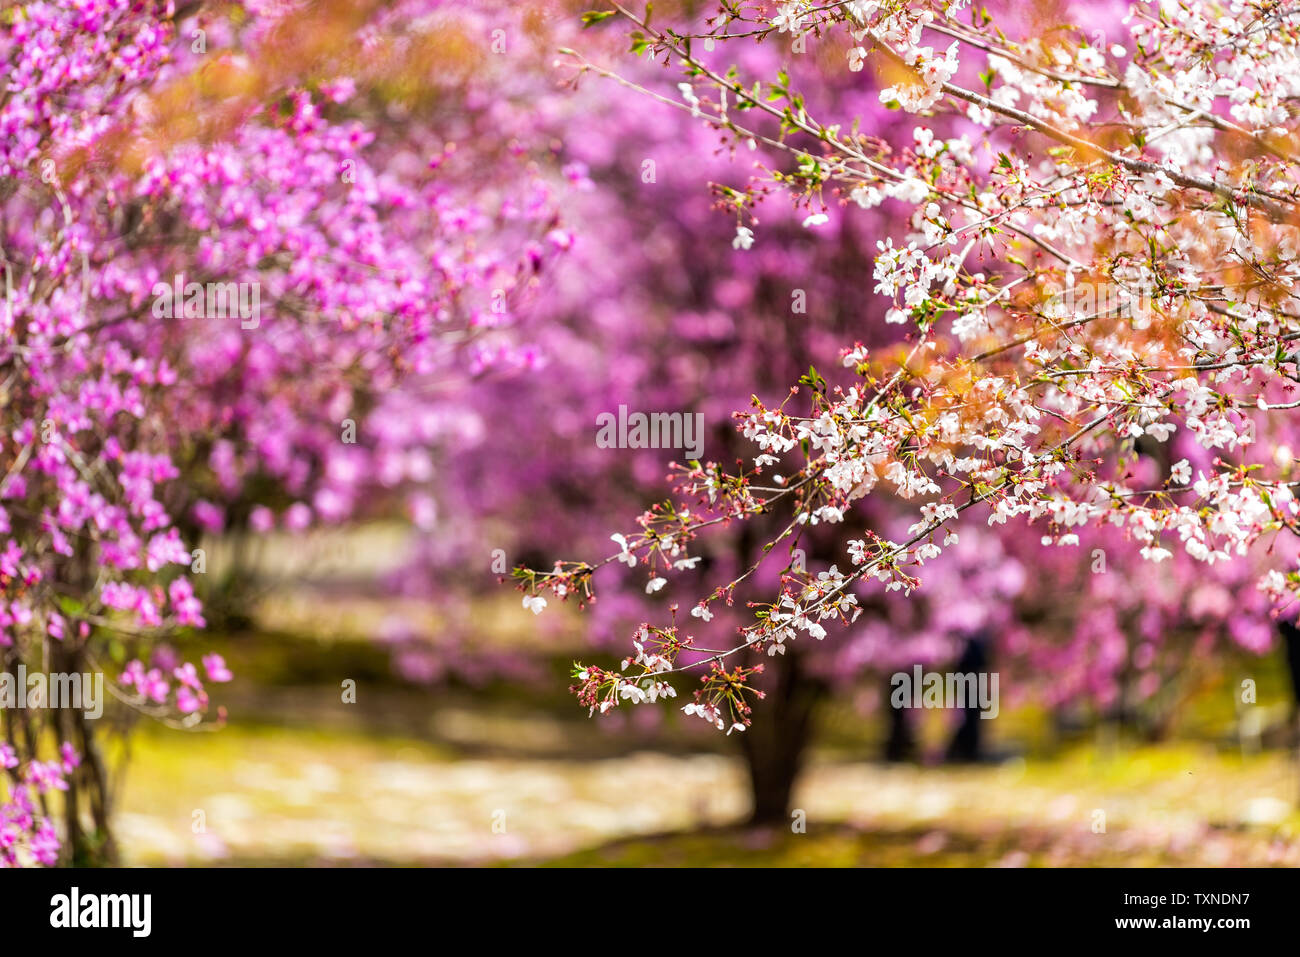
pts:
[416, 776]
[295, 795]
[843, 846]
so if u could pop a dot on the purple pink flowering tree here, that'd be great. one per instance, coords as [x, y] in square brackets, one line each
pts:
[245, 267]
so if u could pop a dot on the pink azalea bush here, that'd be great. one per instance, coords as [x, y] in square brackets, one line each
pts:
[245, 277]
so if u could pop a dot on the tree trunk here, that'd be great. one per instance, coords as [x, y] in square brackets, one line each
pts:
[900, 744]
[1291, 637]
[88, 793]
[774, 745]
[967, 742]
[87, 797]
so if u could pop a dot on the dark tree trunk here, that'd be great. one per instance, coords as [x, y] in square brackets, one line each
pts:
[967, 742]
[900, 745]
[88, 787]
[1291, 638]
[774, 745]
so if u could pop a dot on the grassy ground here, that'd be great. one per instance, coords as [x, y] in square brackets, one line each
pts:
[511, 773]
[277, 795]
